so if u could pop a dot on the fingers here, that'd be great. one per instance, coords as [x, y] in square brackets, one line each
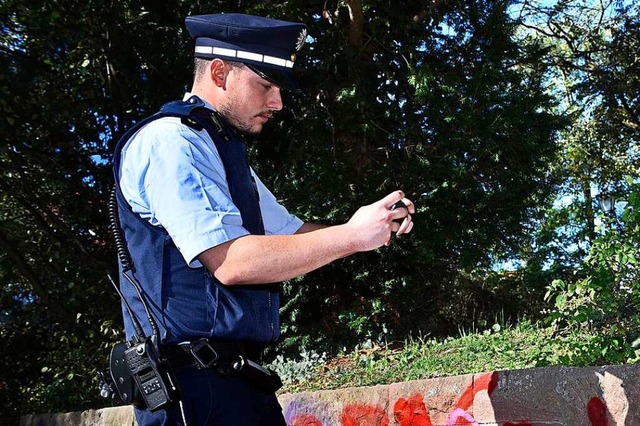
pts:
[406, 226]
[397, 198]
[401, 209]
[392, 198]
[375, 225]
[403, 226]
[409, 205]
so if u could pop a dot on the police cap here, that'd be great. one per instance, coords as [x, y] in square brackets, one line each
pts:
[267, 46]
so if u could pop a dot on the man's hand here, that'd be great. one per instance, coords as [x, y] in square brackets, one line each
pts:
[371, 226]
[260, 259]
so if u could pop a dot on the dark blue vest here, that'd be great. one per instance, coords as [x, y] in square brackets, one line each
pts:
[189, 303]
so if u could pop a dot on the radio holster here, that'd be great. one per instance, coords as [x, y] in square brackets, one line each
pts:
[141, 376]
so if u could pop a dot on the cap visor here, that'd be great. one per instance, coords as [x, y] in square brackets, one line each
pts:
[281, 77]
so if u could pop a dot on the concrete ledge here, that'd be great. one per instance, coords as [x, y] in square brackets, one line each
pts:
[598, 396]
[113, 416]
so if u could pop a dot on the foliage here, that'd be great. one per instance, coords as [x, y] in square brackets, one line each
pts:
[447, 108]
[592, 49]
[591, 60]
[603, 299]
[300, 369]
[498, 347]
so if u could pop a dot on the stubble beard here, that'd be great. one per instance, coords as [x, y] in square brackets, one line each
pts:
[226, 110]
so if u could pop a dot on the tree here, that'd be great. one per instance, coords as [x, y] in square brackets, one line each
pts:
[445, 105]
[591, 61]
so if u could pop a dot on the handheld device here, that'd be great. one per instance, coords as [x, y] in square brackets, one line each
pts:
[140, 374]
[151, 375]
[398, 205]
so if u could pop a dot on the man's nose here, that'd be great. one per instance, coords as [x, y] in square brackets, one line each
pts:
[274, 101]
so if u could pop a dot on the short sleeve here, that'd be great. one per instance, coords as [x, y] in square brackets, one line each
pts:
[174, 177]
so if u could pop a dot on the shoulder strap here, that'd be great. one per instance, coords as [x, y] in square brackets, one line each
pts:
[231, 147]
[181, 109]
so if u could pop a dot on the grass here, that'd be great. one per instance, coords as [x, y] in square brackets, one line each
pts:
[521, 346]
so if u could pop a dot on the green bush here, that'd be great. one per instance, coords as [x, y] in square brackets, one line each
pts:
[602, 303]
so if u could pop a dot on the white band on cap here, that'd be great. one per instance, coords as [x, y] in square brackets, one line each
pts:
[241, 54]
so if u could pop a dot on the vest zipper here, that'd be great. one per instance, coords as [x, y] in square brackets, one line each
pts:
[273, 331]
[259, 216]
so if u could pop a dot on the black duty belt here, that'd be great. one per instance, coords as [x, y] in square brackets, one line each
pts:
[205, 353]
[227, 357]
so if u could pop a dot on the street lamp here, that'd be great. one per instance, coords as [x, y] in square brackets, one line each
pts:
[607, 202]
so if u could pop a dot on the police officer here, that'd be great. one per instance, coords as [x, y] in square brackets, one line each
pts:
[207, 238]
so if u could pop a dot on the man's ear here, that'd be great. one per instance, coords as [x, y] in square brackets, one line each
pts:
[219, 71]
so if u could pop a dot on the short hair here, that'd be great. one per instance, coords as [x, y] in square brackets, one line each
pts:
[201, 67]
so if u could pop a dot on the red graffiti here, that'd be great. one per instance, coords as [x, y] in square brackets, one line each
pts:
[597, 412]
[486, 382]
[364, 415]
[411, 412]
[306, 419]
[464, 422]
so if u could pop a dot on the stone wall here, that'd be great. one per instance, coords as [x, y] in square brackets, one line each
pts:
[600, 396]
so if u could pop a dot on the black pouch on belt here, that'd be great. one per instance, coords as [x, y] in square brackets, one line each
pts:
[262, 378]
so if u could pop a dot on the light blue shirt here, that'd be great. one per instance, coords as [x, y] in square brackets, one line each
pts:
[173, 176]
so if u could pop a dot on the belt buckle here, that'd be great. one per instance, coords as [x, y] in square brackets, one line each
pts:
[204, 353]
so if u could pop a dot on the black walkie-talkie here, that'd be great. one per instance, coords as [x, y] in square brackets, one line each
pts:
[140, 374]
[151, 374]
